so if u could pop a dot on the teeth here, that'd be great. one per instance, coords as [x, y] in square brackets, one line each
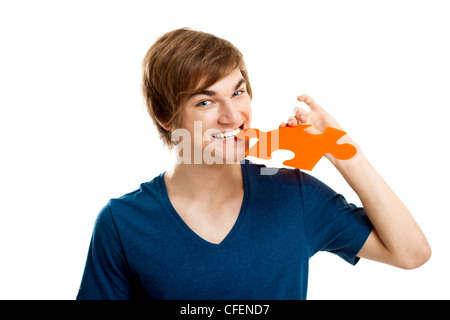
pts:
[226, 135]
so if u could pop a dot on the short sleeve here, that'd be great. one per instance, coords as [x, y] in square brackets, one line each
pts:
[106, 275]
[332, 224]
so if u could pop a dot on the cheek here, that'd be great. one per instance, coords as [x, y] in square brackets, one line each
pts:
[246, 109]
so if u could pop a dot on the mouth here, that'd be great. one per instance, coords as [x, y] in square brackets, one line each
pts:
[228, 135]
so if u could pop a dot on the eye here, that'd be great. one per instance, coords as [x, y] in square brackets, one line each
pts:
[204, 103]
[238, 93]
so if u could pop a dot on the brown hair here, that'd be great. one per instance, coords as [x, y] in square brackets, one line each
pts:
[173, 68]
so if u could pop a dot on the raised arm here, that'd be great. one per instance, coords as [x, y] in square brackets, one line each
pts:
[396, 239]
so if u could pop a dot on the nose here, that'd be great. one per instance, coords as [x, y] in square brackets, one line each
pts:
[229, 114]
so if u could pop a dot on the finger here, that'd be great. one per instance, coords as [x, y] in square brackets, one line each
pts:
[301, 114]
[292, 121]
[282, 125]
[308, 100]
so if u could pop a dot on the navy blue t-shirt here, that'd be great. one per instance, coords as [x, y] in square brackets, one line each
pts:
[142, 249]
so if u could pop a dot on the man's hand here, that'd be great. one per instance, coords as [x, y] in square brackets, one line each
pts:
[318, 118]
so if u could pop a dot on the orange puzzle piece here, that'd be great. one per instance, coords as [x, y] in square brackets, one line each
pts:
[308, 148]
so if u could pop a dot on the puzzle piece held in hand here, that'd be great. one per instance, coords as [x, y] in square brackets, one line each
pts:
[308, 148]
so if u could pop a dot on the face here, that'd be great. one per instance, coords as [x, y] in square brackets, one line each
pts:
[214, 116]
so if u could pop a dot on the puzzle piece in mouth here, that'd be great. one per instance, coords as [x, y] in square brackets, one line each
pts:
[308, 148]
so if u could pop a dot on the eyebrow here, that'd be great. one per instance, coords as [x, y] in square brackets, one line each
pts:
[213, 93]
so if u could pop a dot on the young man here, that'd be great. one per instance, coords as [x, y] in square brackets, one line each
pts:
[220, 229]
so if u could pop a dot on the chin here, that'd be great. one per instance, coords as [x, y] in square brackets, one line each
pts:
[226, 153]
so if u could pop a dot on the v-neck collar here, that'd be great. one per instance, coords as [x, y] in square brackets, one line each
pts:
[194, 235]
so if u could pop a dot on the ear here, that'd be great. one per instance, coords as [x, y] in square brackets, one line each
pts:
[165, 126]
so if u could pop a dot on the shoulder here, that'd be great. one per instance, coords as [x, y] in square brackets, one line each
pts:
[134, 207]
[147, 193]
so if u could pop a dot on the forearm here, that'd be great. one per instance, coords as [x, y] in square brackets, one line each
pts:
[395, 226]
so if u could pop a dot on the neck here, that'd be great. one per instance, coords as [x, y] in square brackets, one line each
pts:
[204, 182]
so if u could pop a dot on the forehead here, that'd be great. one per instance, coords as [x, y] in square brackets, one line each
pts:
[225, 83]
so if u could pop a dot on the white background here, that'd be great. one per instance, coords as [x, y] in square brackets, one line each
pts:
[74, 131]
